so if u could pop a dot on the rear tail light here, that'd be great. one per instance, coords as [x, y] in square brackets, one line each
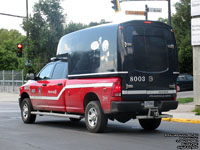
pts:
[117, 89]
[176, 92]
[121, 28]
[147, 22]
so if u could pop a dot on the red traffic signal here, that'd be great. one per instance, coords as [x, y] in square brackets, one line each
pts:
[19, 45]
[19, 52]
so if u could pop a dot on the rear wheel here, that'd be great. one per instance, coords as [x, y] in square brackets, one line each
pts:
[26, 108]
[95, 119]
[150, 124]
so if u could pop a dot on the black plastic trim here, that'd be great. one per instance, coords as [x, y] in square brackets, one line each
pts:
[138, 106]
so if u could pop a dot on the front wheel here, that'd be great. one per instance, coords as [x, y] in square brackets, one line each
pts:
[26, 108]
[150, 124]
[96, 121]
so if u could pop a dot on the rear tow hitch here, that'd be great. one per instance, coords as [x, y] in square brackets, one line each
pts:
[154, 113]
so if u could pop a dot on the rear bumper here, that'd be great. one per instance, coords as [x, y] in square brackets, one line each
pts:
[138, 106]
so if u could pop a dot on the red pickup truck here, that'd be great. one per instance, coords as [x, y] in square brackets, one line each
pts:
[116, 71]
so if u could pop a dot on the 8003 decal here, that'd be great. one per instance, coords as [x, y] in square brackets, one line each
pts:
[137, 79]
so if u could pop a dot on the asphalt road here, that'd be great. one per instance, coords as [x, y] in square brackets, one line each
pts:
[50, 133]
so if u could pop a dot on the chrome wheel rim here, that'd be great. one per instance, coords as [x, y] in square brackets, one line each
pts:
[25, 111]
[92, 117]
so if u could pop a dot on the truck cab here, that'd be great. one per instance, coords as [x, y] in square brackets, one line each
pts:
[115, 71]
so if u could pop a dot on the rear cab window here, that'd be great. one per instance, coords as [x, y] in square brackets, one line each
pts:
[60, 70]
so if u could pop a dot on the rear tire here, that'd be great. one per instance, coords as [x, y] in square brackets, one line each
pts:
[150, 124]
[96, 121]
[26, 108]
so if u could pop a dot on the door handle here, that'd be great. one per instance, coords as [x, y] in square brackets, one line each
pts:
[44, 84]
[127, 44]
[170, 46]
[60, 84]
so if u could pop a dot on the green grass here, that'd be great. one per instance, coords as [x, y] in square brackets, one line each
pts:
[185, 100]
[197, 111]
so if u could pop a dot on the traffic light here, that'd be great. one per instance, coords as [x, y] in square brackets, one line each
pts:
[116, 5]
[19, 52]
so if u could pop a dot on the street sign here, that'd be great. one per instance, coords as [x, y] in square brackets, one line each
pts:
[195, 23]
[195, 7]
[128, 12]
[155, 9]
[141, 0]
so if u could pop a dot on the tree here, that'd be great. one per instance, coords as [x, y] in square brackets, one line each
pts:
[164, 20]
[71, 27]
[103, 21]
[8, 50]
[45, 28]
[181, 23]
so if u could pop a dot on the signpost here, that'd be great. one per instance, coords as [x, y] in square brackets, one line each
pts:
[195, 34]
[195, 5]
[128, 12]
[195, 27]
[155, 10]
[158, 10]
[143, 13]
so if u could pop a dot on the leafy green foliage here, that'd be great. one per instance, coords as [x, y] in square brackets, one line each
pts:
[181, 22]
[164, 20]
[8, 50]
[71, 27]
[45, 28]
[197, 111]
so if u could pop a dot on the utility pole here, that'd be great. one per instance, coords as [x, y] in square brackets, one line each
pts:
[169, 13]
[146, 12]
[27, 32]
[195, 32]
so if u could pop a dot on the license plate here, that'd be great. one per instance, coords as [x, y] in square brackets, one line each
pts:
[148, 104]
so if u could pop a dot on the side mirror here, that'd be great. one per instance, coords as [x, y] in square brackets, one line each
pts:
[30, 76]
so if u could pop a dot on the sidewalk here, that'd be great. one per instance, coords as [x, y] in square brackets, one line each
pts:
[185, 110]
[182, 114]
[11, 97]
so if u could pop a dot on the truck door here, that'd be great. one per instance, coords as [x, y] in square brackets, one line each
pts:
[150, 62]
[161, 62]
[135, 84]
[39, 89]
[56, 87]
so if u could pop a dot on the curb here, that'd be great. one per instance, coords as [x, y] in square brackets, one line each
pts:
[181, 120]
